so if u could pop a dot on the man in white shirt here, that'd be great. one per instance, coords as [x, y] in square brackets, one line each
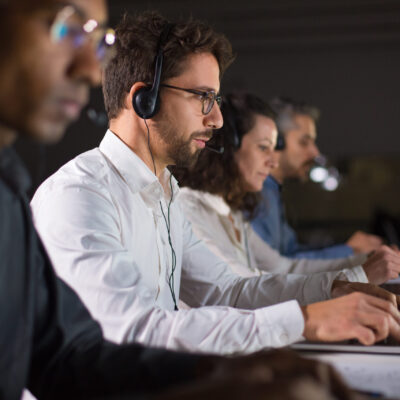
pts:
[115, 232]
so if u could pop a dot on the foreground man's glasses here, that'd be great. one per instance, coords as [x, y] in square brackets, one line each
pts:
[70, 26]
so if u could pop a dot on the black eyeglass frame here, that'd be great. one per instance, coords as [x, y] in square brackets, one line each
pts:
[214, 97]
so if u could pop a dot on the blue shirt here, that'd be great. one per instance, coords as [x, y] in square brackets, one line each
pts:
[272, 226]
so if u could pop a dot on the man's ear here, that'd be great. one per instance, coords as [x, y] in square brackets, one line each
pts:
[129, 98]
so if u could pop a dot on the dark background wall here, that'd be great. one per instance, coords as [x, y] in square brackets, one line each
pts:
[341, 55]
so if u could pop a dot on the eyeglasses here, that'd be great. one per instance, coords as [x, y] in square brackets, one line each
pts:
[69, 26]
[207, 97]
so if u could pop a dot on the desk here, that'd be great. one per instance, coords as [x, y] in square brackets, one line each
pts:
[363, 371]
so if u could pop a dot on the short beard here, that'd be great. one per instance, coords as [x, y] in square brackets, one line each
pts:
[179, 150]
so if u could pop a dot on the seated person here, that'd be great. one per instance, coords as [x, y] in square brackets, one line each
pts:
[49, 343]
[297, 150]
[220, 189]
[116, 233]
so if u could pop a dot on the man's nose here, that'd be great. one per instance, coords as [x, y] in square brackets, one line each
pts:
[314, 151]
[272, 159]
[214, 119]
[86, 66]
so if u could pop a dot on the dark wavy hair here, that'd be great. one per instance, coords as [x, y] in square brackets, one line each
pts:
[136, 45]
[218, 173]
[287, 108]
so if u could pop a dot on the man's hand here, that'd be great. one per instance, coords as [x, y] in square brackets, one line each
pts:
[362, 242]
[366, 318]
[342, 288]
[382, 265]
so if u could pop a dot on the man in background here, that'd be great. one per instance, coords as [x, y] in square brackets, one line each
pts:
[297, 151]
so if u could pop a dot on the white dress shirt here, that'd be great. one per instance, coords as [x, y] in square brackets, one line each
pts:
[215, 223]
[101, 219]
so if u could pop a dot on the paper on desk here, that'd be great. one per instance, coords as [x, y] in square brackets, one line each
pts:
[367, 372]
[397, 280]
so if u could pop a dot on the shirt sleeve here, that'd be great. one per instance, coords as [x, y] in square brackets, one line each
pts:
[270, 260]
[335, 251]
[267, 260]
[87, 251]
[272, 227]
[267, 222]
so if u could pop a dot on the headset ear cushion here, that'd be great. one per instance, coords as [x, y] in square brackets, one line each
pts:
[146, 102]
[280, 142]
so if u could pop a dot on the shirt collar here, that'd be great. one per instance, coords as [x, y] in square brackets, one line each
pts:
[272, 183]
[134, 171]
[213, 201]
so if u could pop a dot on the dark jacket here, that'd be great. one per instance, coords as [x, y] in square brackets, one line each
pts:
[48, 340]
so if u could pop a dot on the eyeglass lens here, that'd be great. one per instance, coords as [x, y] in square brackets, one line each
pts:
[68, 25]
[209, 100]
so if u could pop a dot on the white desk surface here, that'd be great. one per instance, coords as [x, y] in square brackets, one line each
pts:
[368, 371]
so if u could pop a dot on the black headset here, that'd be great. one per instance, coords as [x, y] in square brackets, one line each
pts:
[229, 114]
[146, 101]
[280, 141]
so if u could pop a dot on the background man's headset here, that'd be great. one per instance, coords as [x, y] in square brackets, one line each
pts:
[280, 141]
[146, 103]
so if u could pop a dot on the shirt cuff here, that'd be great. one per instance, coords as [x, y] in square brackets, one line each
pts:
[357, 259]
[355, 274]
[281, 324]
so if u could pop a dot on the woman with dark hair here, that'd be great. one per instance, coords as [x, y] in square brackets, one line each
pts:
[220, 192]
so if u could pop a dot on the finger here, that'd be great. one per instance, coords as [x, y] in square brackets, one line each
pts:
[386, 248]
[394, 247]
[394, 329]
[363, 334]
[384, 256]
[391, 258]
[379, 321]
[394, 273]
[378, 293]
[375, 241]
[383, 304]
[384, 251]
[389, 307]
[395, 266]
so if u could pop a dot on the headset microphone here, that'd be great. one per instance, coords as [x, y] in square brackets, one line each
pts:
[280, 141]
[216, 149]
[98, 117]
[146, 103]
